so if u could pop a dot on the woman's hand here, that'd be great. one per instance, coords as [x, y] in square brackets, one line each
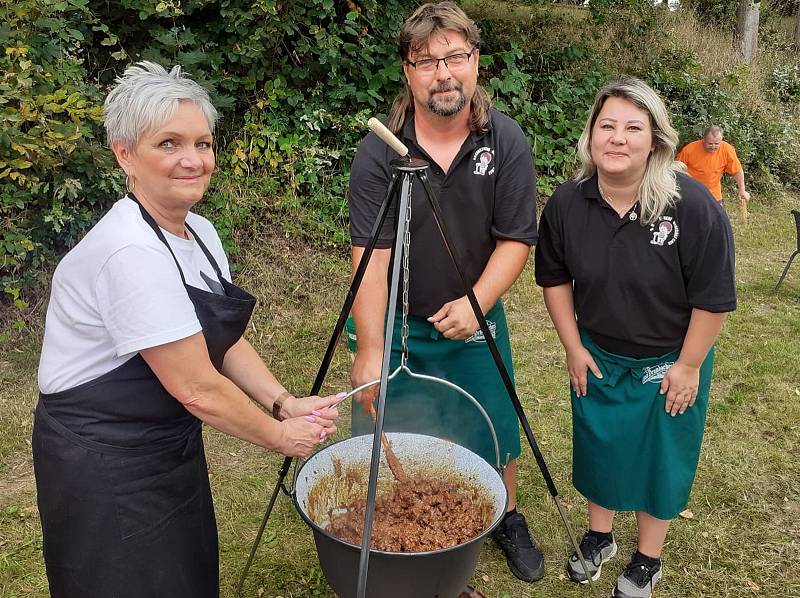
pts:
[680, 385]
[315, 406]
[579, 361]
[299, 435]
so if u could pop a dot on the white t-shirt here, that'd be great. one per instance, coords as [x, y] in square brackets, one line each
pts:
[119, 291]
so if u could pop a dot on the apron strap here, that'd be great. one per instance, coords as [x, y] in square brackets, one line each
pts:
[209, 257]
[151, 221]
[157, 229]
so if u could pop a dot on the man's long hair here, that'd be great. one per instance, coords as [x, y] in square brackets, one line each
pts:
[659, 187]
[428, 20]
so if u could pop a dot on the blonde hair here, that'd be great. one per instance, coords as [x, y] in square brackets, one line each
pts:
[659, 187]
[426, 21]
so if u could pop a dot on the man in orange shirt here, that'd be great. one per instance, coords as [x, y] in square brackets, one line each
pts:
[708, 158]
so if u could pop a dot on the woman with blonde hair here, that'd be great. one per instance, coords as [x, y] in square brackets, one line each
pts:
[637, 270]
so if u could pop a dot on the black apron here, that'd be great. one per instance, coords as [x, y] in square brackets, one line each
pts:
[121, 473]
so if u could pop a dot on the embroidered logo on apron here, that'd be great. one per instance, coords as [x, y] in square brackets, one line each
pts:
[478, 337]
[656, 373]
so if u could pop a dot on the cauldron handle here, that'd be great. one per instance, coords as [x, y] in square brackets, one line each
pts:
[407, 370]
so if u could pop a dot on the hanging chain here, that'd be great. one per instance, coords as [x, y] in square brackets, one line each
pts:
[406, 251]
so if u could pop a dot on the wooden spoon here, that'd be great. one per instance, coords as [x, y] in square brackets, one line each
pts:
[394, 463]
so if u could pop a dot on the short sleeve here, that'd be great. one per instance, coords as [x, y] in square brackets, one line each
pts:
[369, 184]
[682, 155]
[514, 216]
[550, 267]
[707, 259]
[732, 166]
[142, 300]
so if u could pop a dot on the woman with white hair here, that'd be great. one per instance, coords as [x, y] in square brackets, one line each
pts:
[636, 266]
[143, 343]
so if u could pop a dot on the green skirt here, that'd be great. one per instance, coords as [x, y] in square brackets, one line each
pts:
[425, 407]
[628, 453]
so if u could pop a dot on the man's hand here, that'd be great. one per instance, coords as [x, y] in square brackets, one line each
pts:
[744, 197]
[366, 368]
[455, 319]
[680, 385]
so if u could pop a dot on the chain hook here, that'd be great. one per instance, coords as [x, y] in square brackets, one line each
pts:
[406, 270]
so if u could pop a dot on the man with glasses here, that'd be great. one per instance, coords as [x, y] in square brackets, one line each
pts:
[481, 170]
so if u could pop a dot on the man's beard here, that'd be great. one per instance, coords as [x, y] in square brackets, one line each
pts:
[447, 109]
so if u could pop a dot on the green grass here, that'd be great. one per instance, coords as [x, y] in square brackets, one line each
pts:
[742, 540]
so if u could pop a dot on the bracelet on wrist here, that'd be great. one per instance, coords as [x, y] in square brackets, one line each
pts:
[278, 403]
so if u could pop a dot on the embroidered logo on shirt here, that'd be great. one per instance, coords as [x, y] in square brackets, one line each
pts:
[478, 337]
[483, 158]
[665, 231]
[656, 373]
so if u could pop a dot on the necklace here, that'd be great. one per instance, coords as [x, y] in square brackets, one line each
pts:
[610, 201]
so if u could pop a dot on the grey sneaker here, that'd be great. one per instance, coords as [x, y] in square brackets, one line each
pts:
[637, 581]
[595, 552]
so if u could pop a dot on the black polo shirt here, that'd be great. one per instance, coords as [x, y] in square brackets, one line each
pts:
[634, 285]
[489, 193]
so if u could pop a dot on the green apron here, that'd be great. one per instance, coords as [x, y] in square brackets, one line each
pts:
[628, 454]
[430, 408]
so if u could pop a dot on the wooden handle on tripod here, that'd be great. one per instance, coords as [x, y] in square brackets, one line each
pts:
[387, 136]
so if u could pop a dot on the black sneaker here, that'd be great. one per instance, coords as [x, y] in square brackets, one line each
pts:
[524, 558]
[638, 580]
[595, 553]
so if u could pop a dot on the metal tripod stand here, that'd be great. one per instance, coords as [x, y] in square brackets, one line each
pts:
[404, 171]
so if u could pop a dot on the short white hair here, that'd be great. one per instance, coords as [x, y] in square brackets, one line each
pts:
[146, 96]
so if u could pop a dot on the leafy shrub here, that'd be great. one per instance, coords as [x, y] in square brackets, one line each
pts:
[785, 83]
[53, 182]
[290, 79]
[295, 83]
[718, 13]
[765, 143]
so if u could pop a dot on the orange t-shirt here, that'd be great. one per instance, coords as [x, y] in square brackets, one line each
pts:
[707, 167]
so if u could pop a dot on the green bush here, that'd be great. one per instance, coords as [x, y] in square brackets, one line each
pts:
[53, 181]
[765, 142]
[295, 83]
[717, 13]
[785, 83]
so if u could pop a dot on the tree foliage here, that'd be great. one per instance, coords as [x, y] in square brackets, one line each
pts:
[295, 83]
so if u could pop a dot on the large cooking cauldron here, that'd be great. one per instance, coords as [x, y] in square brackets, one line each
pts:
[435, 574]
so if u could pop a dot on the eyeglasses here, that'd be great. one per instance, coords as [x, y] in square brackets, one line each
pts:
[431, 65]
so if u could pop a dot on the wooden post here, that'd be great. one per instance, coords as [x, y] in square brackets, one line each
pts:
[747, 27]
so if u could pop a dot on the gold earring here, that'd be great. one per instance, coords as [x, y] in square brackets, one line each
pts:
[130, 182]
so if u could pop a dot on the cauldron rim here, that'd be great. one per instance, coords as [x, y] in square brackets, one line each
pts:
[392, 554]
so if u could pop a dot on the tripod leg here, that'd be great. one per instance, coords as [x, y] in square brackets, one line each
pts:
[785, 270]
[372, 487]
[326, 360]
[501, 368]
[354, 285]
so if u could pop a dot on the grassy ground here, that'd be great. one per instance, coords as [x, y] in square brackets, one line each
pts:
[743, 537]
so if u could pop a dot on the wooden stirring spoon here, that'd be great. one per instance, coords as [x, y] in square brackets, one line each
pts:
[394, 463]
